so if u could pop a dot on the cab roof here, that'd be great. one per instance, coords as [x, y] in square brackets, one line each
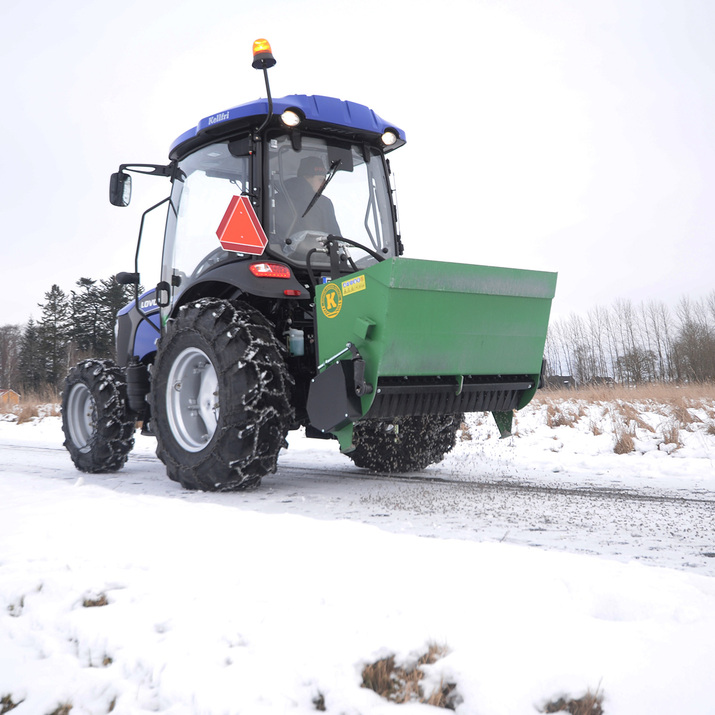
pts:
[322, 114]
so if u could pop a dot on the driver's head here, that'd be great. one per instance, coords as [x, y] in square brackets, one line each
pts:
[312, 169]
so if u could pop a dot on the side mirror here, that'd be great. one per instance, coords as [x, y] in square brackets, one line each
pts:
[120, 189]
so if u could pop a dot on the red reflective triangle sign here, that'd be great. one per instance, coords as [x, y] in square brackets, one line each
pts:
[240, 230]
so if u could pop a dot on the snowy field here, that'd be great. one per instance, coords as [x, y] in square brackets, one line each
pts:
[546, 565]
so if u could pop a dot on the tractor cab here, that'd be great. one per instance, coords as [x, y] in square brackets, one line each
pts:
[297, 189]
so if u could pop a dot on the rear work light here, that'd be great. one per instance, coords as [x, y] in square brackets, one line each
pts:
[270, 270]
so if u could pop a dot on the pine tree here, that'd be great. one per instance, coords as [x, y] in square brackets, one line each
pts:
[32, 363]
[10, 340]
[54, 335]
[85, 320]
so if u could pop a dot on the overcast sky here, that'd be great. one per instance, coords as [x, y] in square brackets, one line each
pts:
[566, 135]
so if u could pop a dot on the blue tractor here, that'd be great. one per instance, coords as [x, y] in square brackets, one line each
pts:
[281, 305]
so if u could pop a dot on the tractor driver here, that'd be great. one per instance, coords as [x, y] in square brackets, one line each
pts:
[301, 191]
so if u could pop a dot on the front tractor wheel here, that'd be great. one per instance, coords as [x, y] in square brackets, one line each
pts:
[220, 397]
[98, 427]
[403, 444]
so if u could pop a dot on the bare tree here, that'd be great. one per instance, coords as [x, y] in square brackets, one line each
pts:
[10, 339]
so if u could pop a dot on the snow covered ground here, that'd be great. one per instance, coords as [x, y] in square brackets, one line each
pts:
[546, 565]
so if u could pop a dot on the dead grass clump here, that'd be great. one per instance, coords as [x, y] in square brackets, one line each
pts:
[400, 684]
[101, 600]
[682, 414]
[589, 704]
[32, 407]
[624, 443]
[671, 433]
[556, 416]
[624, 436]
[623, 432]
[7, 704]
[63, 709]
[632, 415]
[710, 429]
[319, 702]
[25, 413]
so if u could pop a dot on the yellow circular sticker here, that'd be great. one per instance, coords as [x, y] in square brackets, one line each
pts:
[331, 300]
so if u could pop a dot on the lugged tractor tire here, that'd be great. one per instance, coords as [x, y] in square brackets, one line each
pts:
[220, 397]
[97, 424]
[403, 444]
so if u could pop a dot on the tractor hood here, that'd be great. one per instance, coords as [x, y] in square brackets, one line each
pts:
[326, 114]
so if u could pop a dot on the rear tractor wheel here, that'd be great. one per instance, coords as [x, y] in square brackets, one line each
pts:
[98, 427]
[220, 397]
[404, 444]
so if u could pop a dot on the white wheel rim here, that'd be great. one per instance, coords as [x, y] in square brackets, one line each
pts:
[192, 401]
[81, 416]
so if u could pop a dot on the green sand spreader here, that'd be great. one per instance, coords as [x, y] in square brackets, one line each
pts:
[409, 337]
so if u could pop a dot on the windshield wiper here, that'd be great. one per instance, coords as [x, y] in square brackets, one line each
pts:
[331, 173]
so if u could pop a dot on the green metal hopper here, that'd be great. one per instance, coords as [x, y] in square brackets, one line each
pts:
[408, 337]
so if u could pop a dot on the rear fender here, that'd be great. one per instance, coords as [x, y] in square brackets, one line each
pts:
[224, 278]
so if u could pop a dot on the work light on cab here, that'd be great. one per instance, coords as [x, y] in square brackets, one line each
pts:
[389, 137]
[290, 118]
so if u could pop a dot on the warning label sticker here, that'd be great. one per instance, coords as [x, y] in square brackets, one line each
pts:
[354, 285]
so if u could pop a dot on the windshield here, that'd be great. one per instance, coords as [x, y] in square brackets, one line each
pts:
[327, 188]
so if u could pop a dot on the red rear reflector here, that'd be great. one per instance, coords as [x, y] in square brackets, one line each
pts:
[291, 293]
[270, 270]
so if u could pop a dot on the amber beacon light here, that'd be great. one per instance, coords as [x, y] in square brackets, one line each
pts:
[262, 55]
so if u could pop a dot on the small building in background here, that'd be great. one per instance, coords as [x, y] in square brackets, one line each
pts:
[8, 398]
[560, 382]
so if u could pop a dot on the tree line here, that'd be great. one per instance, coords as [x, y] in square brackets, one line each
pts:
[635, 344]
[35, 358]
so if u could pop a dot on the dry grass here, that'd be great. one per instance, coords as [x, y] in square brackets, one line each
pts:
[671, 433]
[7, 704]
[41, 404]
[400, 684]
[556, 416]
[589, 704]
[594, 428]
[632, 416]
[63, 709]
[624, 443]
[692, 395]
[101, 600]
[682, 406]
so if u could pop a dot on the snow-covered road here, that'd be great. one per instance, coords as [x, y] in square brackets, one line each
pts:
[487, 490]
